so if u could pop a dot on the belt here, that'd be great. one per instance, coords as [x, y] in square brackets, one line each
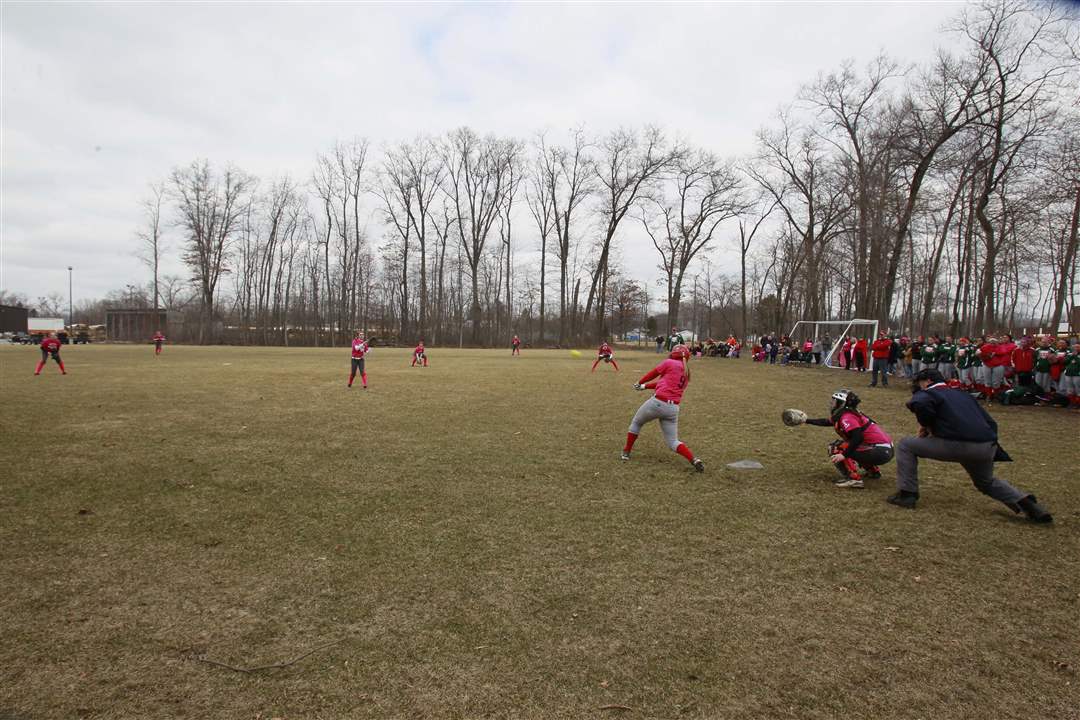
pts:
[888, 445]
[669, 402]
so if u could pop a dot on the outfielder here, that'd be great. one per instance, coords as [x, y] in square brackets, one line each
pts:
[360, 349]
[419, 355]
[50, 346]
[671, 378]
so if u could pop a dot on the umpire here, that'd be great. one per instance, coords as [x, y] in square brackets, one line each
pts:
[953, 427]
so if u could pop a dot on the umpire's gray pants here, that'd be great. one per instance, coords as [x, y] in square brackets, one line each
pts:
[977, 459]
[666, 413]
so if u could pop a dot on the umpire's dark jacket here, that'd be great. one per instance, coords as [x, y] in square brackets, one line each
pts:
[952, 415]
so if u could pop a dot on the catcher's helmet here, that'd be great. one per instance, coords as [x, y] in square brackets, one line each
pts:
[679, 352]
[844, 399]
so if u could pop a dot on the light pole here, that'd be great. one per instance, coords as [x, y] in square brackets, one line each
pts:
[71, 319]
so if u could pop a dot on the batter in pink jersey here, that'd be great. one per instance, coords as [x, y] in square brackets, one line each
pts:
[669, 380]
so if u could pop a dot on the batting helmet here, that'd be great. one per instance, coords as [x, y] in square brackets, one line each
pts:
[679, 352]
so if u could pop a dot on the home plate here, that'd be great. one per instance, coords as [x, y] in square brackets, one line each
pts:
[746, 465]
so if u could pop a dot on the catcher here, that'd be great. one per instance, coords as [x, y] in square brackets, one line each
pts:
[862, 442]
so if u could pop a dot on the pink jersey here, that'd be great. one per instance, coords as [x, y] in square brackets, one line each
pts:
[418, 350]
[872, 435]
[605, 349]
[359, 348]
[672, 380]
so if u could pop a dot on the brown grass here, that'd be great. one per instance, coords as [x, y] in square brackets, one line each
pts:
[470, 536]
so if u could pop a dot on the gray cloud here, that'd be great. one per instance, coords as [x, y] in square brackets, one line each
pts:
[101, 99]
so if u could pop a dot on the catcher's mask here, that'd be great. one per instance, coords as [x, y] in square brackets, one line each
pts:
[843, 400]
[679, 352]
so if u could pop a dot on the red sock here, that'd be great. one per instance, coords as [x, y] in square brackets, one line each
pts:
[595, 364]
[61, 363]
[631, 438]
[685, 452]
[39, 366]
[413, 363]
[363, 379]
[351, 379]
[615, 364]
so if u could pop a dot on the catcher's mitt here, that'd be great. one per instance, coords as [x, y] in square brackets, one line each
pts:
[793, 417]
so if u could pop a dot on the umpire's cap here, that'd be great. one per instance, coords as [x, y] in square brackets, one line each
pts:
[930, 374]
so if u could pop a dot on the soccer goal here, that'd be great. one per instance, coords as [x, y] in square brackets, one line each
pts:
[822, 328]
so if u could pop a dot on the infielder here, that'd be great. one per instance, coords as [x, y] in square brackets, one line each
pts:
[605, 354]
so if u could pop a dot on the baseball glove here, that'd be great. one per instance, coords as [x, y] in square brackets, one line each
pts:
[793, 417]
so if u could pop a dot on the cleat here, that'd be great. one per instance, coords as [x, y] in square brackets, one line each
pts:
[872, 474]
[625, 455]
[854, 483]
[1034, 511]
[903, 499]
[698, 465]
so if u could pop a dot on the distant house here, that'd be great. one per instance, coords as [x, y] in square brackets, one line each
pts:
[13, 318]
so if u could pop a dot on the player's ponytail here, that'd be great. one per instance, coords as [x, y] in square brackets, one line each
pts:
[685, 369]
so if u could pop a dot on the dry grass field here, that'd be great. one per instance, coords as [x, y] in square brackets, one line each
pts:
[463, 541]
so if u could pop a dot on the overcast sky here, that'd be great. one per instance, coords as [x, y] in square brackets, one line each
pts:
[98, 100]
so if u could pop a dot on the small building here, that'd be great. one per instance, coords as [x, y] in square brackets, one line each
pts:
[135, 325]
[14, 318]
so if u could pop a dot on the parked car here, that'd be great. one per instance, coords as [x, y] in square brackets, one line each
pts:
[21, 338]
[63, 338]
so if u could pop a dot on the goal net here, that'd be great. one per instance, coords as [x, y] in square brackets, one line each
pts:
[834, 332]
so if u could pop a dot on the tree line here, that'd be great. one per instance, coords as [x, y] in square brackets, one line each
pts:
[936, 196]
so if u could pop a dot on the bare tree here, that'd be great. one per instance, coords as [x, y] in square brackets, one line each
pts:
[629, 165]
[682, 220]
[478, 175]
[211, 207]
[151, 242]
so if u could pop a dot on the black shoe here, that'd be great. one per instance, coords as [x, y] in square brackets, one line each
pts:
[904, 499]
[1034, 511]
[874, 474]
[698, 465]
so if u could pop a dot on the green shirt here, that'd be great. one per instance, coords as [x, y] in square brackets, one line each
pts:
[946, 353]
[928, 353]
[1042, 364]
[1072, 363]
[965, 357]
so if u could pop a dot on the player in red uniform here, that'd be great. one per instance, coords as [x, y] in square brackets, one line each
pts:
[863, 443]
[671, 378]
[360, 349]
[516, 345]
[158, 340]
[50, 346]
[605, 354]
[419, 356]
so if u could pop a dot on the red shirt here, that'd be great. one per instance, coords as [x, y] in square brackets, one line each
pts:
[672, 381]
[605, 349]
[359, 348]
[881, 348]
[515, 341]
[419, 350]
[50, 345]
[159, 338]
[1023, 359]
[860, 347]
[872, 435]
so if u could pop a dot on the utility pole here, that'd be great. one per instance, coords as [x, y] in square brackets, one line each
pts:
[71, 319]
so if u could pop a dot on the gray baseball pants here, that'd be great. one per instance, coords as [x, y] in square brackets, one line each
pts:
[665, 412]
[1042, 379]
[947, 370]
[1069, 385]
[977, 459]
[995, 376]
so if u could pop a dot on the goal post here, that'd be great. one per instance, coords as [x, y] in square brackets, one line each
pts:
[821, 327]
